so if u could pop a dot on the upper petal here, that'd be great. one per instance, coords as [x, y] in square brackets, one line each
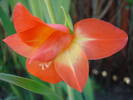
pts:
[19, 46]
[23, 19]
[36, 36]
[30, 29]
[72, 66]
[99, 38]
[44, 71]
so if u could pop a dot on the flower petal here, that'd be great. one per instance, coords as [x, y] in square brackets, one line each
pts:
[72, 66]
[59, 27]
[99, 38]
[23, 19]
[17, 45]
[55, 44]
[36, 36]
[44, 71]
[32, 30]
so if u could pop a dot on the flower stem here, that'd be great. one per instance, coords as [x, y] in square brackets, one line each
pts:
[70, 93]
[50, 11]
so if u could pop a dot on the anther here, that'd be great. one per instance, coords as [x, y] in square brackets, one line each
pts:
[45, 65]
[42, 66]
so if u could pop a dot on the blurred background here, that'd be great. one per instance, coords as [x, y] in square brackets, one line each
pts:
[110, 78]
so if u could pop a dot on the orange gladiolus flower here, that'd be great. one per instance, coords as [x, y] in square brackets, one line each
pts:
[54, 55]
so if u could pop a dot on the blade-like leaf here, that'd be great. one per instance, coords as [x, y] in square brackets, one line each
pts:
[4, 5]
[12, 3]
[88, 90]
[68, 20]
[77, 95]
[58, 12]
[56, 8]
[28, 84]
[130, 1]
[7, 24]
[37, 8]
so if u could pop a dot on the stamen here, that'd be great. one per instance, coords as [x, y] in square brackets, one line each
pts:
[42, 66]
[45, 65]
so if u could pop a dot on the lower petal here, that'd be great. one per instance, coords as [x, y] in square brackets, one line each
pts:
[44, 71]
[72, 66]
[19, 46]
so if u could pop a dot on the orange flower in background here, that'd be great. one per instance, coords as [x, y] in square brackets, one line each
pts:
[54, 55]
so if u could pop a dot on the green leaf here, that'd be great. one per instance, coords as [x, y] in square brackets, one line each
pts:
[58, 12]
[37, 8]
[130, 1]
[12, 3]
[7, 24]
[4, 5]
[16, 92]
[56, 9]
[89, 91]
[10, 97]
[68, 20]
[29, 84]
[77, 95]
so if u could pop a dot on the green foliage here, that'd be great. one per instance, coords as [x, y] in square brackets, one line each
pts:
[58, 11]
[7, 24]
[68, 20]
[37, 8]
[88, 90]
[130, 1]
[28, 84]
